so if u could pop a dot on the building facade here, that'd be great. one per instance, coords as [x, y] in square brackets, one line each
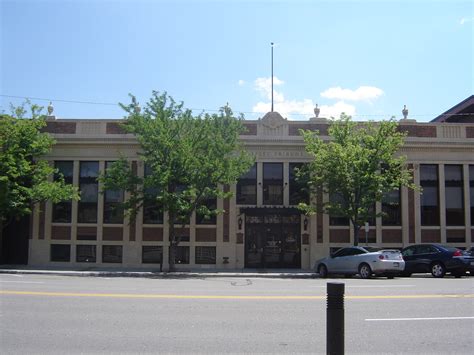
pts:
[261, 227]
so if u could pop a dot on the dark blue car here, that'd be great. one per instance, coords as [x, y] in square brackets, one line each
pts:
[437, 259]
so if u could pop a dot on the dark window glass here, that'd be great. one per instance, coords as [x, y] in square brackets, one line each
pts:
[298, 188]
[60, 252]
[471, 189]
[111, 253]
[272, 183]
[181, 255]
[430, 195]
[152, 211]
[337, 220]
[247, 187]
[392, 209]
[87, 206]
[205, 255]
[113, 211]
[454, 193]
[152, 254]
[202, 219]
[86, 253]
[62, 211]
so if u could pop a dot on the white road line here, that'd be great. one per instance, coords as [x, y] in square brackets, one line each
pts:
[23, 282]
[409, 319]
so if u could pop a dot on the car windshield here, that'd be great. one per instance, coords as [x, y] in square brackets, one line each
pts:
[372, 249]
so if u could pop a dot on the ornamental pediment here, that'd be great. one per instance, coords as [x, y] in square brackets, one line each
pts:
[273, 124]
[273, 120]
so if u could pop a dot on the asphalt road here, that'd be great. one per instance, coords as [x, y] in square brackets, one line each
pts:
[43, 314]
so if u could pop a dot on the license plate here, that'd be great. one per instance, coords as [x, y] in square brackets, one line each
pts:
[396, 264]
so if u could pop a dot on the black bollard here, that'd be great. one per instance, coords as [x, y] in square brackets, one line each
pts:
[335, 319]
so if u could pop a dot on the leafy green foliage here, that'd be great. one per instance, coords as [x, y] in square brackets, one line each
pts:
[188, 158]
[23, 175]
[357, 166]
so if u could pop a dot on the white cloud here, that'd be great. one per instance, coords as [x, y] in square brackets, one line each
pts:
[294, 109]
[466, 19]
[264, 86]
[363, 93]
[241, 82]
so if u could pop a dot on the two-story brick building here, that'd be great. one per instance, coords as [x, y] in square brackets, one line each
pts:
[261, 226]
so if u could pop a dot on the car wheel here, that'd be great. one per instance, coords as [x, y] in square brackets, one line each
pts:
[438, 270]
[365, 271]
[323, 271]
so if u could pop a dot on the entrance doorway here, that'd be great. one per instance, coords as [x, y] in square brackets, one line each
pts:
[272, 238]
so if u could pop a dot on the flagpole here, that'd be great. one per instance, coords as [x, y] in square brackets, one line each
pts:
[272, 76]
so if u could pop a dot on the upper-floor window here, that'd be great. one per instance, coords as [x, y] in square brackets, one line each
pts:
[113, 212]
[247, 187]
[429, 203]
[391, 208]
[89, 187]
[211, 204]
[298, 189]
[471, 189]
[152, 211]
[334, 219]
[62, 210]
[272, 183]
[454, 192]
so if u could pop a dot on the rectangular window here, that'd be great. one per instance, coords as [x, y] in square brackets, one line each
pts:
[152, 254]
[391, 208]
[335, 220]
[111, 253]
[247, 187]
[205, 255]
[454, 192]
[429, 203]
[272, 183]
[60, 252]
[152, 211]
[211, 204]
[471, 188]
[182, 255]
[113, 211]
[62, 210]
[86, 253]
[87, 206]
[298, 189]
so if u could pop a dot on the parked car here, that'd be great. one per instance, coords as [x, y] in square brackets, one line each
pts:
[437, 259]
[365, 261]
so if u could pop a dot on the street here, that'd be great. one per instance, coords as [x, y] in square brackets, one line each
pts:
[45, 314]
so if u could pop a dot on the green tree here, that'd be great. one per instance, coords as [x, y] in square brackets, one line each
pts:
[24, 176]
[189, 160]
[357, 166]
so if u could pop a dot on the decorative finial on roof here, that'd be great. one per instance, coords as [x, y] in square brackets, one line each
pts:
[405, 112]
[50, 109]
[316, 111]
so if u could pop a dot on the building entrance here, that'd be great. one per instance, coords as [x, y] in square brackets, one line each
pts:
[272, 238]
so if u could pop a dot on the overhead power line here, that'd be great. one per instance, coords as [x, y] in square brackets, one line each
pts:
[214, 110]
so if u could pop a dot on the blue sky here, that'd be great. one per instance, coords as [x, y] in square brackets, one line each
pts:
[366, 58]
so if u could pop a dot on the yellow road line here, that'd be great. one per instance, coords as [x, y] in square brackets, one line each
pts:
[222, 297]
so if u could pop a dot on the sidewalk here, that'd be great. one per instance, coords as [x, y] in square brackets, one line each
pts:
[155, 273]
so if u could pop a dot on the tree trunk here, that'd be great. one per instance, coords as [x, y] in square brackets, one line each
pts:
[1, 241]
[356, 234]
[172, 240]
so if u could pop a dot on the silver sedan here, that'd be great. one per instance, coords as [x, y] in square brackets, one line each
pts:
[365, 261]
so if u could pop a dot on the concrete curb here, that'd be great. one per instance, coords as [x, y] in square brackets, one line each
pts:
[157, 274]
